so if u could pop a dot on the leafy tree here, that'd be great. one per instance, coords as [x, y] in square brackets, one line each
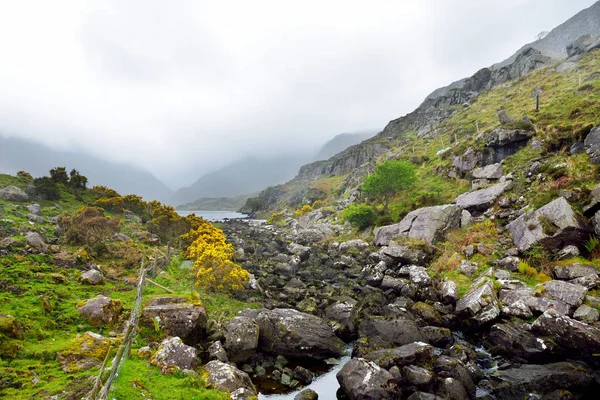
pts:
[46, 188]
[389, 178]
[59, 175]
[359, 215]
[77, 181]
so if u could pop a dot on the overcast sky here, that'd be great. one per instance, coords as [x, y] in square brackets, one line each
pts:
[183, 87]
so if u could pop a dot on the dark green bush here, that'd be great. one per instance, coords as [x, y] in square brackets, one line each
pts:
[359, 215]
[46, 188]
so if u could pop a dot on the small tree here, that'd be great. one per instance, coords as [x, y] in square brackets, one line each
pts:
[389, 178]
[59, 175]
[46, 188]
[77, 180]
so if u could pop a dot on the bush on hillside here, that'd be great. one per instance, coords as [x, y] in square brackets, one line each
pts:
[59, 175]
[88, 226]
[359, 215]
[46, 188]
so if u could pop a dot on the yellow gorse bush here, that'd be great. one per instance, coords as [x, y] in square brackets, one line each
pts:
[213, 265]
[304, 210]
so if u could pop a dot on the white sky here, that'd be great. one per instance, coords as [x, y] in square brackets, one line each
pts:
[184, 87]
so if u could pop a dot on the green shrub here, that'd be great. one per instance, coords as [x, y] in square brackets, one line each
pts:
[359, 215]
[46, 188]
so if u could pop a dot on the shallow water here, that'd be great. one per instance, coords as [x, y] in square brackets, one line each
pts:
[214, 215]
[326, 385]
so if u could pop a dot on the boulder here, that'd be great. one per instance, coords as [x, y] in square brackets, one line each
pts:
[593, 204]
[34, 209]
[517, 383]
[177, 317]
[573, 271]
[417, 275]
[390, 333]
[553, 226]
[217, 352]
[428, 224]
[241, 338]
[583, 44]
[566, 292]
[592, 145]
[492, 171]
[468, 161]
[404, 254]
[173, 355]
[92, 277]
[13, 193]
[121, 237]
[417, 376]
[586, 314]
[292, 333]
[415, 353]
[449, 291]
[357, 244]
[298, 250]
[362, 380]
[36, 241]
[480, 305]
[228, 378]
[582, 339]
[482, 199]
[342, 313]
[85, 351]
[502, 142]
[516, 341]
[101, 310]
[307, 394]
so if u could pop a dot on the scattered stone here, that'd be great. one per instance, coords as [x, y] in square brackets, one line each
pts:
[467, 268]
[518, 309]
[404, 254]
[362, 380]
[390, 333]
[480, 304]
[34, 209]
[85, 351]
[303, 374]
[92, 277]
[228, 378]
[510, 263]
[121, 237]
[574, 271]
[449, 291]
[492, 171]
[36, 241]
[566, 252]
[592, 145]
[101, 310]
[173, 355]
[417, 376]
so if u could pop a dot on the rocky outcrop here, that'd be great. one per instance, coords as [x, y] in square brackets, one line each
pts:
[553, 226]
[583, 44]
[101, 310]
[292, 333]
[173, 355]
[13, 193]
[592, 145]
[480, 305]
[362, 380]
[177, 317]
[482, 199]
[502, 142]
[228, 378]
[428, 224]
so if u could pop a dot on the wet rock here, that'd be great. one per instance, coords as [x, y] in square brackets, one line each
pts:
[362, 380]
[542, 379]
[586, 314]
[438, 336]
[85, 351]
[241, 338]
[415, 353]
[177, 317]
[390, 333]
[228, 378]
[574, 335]
[13, 193]
[217, 352]
[172, 355]
[101, 310]
[292, 333]
[92, 277]
[428, 224]
[10, 327]
[553, 226]
[516, 341]
[36, 241]
[307, 394]
[480, 200]
[303, 374]
[480, 304]
[427, 313]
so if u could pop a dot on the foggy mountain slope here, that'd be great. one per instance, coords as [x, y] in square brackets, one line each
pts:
[341, 142]
[37, 159]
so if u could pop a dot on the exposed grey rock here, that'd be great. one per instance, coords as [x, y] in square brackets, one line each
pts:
[503, 117]
[480, 304]
[307, 394]
[241, 338]
[593, 204]
[468, 161]
[101, 310]
[500, 136]
[577, 148]
[9, 242]
[517, 383]
[390, 333]
[301, 251]
[492, 171]
[516, 341]
[417, 353]
[13, 193]
[417, 376]
[572, 271]
[173, 355]
[466, 219]
[588, 281]
[36, 241]
[362, 380]
[482, 199]
[569, 251]
[596, 223]
[510, 263]
[34, 209]
[416, 274]
[177, 316]
[427, 224]
[309, 236]
[36, 218]
[449, 291]
[92, 277]
[217, 352]
[592, 145]
[574, 335]
[566, 292]
[121, 237]
[518, 309]
[586, 314]
[341, 312]
[467, 268]
[553, 226]
[228, 378]
[358, 244]
[292, 333]
[374, 274]
[85, 351]
[583, 44]
[404, 254]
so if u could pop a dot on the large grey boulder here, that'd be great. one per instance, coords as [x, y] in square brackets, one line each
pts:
[404, 254]
[574, 271]
[13, 193]
[362, 380]
[390, 333]
[36, 241]
[173, 355]
[342, 313]
[568, 293]
[554, 226]
[288, 332]
[92, 277]
[417, 353]
[482, 199]
[592, 145]
[241, 338]
[517, 383]
[480, 305]
[177, 317]
[516, 341]
[492, 171]
[582, 339]
[101, 310]
[468, 161]
[428, 224]
[228, 378]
